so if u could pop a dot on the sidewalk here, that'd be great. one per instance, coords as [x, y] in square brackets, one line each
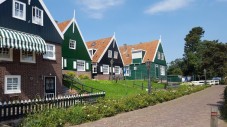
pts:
[188, 111]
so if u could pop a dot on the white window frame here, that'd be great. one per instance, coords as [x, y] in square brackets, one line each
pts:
[87, 66]
[162, 55]
[78, 66]
[45, 56]
[10, 58]
[35, 19]
[162, 70]
[18, 90]
[159, 55]
[115, 54]
[72, 42]
[127, 71]
[28, 61]
[91, 52]
[24, 10]
[105, 67]
[119, 70]
[109, 53]
[100, 68]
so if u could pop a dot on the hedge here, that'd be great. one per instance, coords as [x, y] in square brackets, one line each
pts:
[104, 108]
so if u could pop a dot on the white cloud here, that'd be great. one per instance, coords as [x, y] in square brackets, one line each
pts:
[167, 5]
[96, 8]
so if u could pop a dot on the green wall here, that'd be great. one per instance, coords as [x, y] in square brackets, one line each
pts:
[141, 72]
[80, 53]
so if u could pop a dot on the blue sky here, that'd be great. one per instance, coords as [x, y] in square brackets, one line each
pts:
[136, 21]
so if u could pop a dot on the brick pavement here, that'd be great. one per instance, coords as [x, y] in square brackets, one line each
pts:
[188, 111]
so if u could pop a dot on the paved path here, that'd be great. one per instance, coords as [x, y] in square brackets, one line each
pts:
[188, 111]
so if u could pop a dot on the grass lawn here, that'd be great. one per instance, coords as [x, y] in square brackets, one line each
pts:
[122, 88]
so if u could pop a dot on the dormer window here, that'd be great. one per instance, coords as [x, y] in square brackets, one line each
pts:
[37, 16]
[19, 10]
[72, 44]
[92, 52]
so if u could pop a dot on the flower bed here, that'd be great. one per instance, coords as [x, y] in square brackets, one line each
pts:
[105, 108]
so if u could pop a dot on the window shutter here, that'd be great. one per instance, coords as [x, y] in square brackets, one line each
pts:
[100, 68]
[65, 62]
[87, 66]
[113, 69]
[74, 64]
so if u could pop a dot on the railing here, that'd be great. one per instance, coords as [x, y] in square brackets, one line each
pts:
[17, 109]
[73, 82]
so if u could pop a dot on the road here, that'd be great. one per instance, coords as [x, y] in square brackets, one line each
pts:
[188, 111]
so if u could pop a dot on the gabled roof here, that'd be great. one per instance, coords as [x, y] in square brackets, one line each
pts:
[64, 26]
[150, 49]
[51, 18]
[101, 45]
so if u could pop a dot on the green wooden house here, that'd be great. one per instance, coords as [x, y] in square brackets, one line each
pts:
[136, 56]
[75, 55]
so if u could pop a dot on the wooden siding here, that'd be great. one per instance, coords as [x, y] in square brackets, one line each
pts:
[80, 53]
[48, 31]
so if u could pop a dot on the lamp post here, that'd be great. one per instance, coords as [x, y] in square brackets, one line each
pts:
[148, 64]
[205, 71]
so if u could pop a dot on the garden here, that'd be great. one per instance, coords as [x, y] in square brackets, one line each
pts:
[121, 96]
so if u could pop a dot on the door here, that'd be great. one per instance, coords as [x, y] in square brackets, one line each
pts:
[50, 86]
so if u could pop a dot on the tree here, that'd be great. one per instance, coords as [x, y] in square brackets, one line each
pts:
[175, 67]
[192, 59]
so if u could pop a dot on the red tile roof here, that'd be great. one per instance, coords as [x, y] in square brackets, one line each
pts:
[100, 45]
[63, 25]
[150, 49]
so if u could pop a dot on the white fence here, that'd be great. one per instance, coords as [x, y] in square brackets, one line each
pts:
[209, 82]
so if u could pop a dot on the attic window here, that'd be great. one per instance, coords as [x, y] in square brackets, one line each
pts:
[19, 10]
[72, 44]
[37, 16]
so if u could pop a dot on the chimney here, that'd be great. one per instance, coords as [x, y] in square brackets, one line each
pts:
[56, 21]
[125, 47]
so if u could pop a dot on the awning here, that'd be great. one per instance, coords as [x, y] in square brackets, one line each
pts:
[19, 40]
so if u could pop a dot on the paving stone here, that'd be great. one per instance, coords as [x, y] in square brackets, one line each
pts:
[188, 111]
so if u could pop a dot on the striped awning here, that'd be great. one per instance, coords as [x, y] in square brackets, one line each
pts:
[19, 40]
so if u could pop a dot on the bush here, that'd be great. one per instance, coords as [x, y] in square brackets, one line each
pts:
[224, 106]
[105, 108]
[83, 76]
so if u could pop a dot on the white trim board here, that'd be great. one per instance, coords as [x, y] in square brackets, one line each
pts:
[51, 18]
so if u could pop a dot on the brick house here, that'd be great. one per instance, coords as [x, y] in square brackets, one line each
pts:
[103, 51]
[30, 51]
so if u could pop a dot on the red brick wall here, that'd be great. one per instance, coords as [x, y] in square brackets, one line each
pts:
[32, 81]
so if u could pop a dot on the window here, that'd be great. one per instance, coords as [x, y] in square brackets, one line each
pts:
[6, 54]
[126, 71]
[162, 70]
[94, 68]
[105, 69]
[87, 66]
[115, 54]
[109, 54]
[100, 68]
[19, 10]
[91, 52]
[37, 16]
[72, 44]
[12, 84]
[162, 56]
[50, 54]
[159, 55]
[117, 70]
[80, 65]
[27, 56]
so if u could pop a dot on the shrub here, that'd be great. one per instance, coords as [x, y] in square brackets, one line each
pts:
[224, 106]
[106, 108]
[83, 76]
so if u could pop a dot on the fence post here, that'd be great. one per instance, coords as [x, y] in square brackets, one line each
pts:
[142, 86]
[214, 117]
